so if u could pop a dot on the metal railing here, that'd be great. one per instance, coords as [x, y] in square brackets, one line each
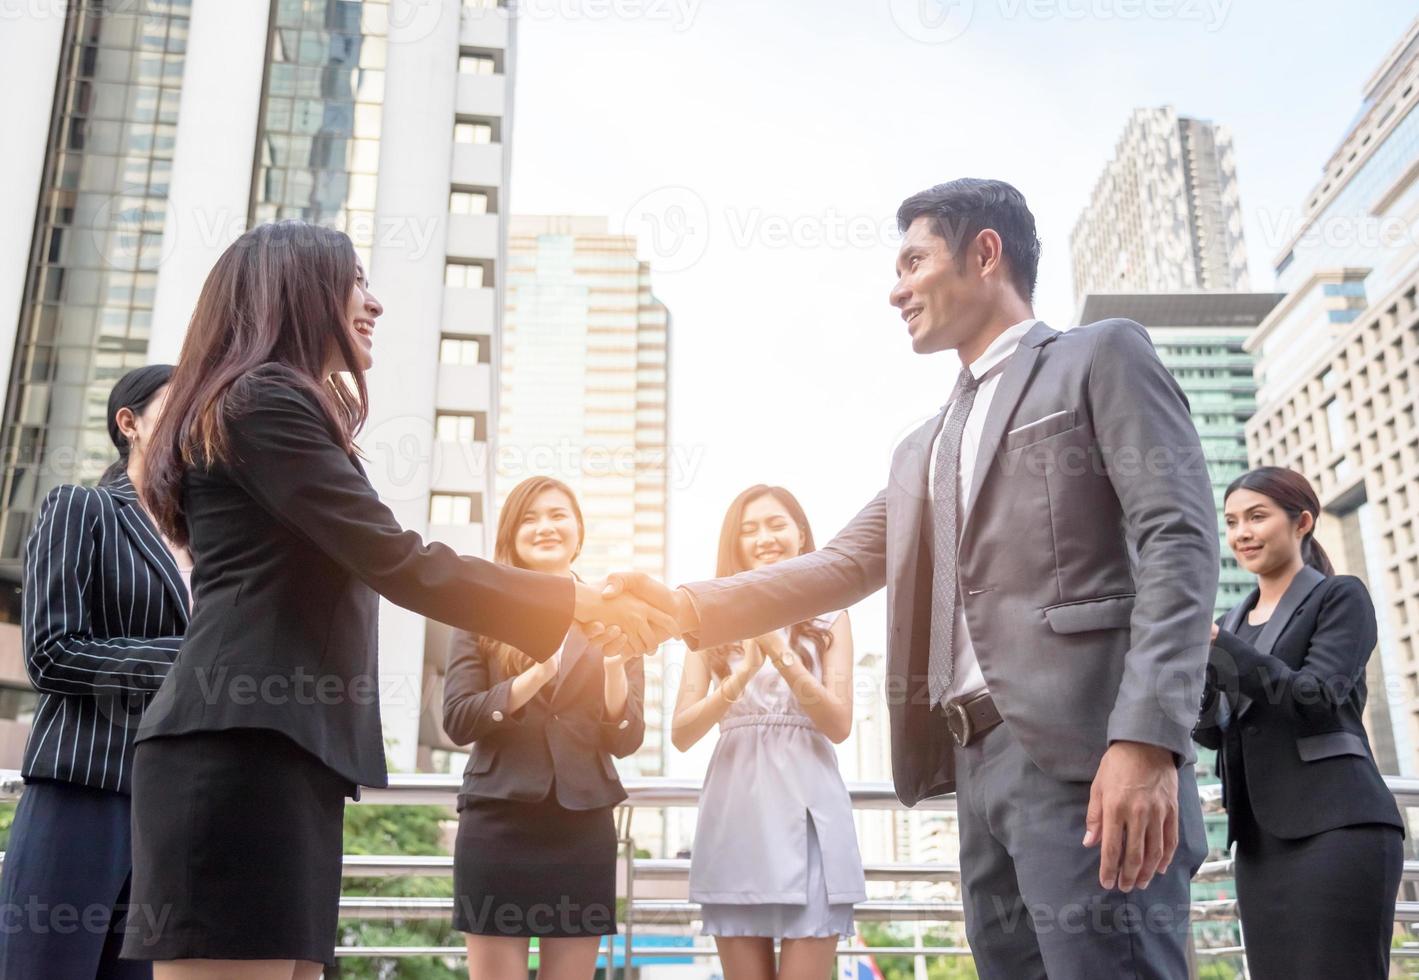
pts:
[438, 789]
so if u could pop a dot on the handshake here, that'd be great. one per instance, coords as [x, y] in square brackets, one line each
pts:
[631, 613]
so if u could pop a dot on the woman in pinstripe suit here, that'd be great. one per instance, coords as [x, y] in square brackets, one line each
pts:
[105, 606]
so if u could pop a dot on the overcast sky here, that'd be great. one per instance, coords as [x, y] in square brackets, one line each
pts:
[760, 149]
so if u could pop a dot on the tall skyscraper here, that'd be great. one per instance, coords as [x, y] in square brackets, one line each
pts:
[1337, 363]
[585, 351]
[584, 369]
[176, 124]
[1165, 215]
[1200, 338]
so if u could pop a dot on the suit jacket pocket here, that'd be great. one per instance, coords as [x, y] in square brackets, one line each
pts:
[1042, 428]
[482, 760]
[1330, 744]
[1109, 612]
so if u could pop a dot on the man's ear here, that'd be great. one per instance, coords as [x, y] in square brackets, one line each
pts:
[989, 249]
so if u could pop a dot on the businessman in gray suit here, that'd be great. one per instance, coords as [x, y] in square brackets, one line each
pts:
[1049, 547]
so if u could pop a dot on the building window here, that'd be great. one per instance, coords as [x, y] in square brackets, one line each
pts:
[322, 118]
[467, 275]
[462, 351]
[476, 131]
[461, 426]
[478, 201]
[456, 508]
[477, 64]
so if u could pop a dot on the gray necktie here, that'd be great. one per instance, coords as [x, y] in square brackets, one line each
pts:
[944, 509]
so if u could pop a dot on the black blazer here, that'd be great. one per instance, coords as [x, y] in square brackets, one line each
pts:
[103, 609]
[561, 736]
[293, 548]
[1296, 702]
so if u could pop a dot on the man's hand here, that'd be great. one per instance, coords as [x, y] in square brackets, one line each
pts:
[1215, 631]
[624, 625]
[673, 602]
[1133, 813]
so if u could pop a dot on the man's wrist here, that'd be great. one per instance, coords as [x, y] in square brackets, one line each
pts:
[1159, 754]
[687, 616]
[586, 598]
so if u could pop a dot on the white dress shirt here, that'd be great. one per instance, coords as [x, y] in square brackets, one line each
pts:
[966, 677]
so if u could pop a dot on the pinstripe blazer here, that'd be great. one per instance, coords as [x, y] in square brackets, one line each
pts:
[104, 612]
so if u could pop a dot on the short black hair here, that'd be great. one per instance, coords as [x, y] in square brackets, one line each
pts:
[960, 209]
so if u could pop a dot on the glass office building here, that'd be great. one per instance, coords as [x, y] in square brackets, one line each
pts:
[394, 131]
[97, 244]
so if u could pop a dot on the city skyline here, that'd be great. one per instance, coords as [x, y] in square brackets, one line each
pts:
[780, 275]
[781, 285]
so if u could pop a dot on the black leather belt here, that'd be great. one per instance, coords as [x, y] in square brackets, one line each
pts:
[969, 718]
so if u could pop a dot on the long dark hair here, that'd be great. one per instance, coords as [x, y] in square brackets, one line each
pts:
[809, 639]
[512, 660]
[134, 391]
[276, 300]
[1294, 494]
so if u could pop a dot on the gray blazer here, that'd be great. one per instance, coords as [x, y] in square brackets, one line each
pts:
[1088, 563]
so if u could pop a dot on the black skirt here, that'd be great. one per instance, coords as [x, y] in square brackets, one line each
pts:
[1319, 907]
[534, 869]
[238, 836]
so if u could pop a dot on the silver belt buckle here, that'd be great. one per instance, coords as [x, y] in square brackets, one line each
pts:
[959, 722]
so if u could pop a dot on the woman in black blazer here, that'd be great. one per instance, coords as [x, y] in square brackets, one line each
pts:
[536, 848]
[1319, 840]
[104, 608]
[270, 717]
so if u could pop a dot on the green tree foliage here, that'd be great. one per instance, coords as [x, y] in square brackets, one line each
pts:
[405, 831]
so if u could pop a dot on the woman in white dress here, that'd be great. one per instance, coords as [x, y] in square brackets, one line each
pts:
[775, 854]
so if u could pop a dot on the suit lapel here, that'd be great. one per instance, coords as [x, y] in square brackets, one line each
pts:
[148, 543]
[1002, 405]
[907, 510]
[1301, 586]
[572, 652]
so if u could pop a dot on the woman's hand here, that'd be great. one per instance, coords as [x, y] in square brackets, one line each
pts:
[753, 660]
[773, 647]
[620, 660]
[1215, 631]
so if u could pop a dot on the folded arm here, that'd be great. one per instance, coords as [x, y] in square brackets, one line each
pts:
[1311, 695]
[62, 655]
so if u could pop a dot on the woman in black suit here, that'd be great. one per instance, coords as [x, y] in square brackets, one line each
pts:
[536, 849]
[1319, 840]
[104, 609]
[270, 717]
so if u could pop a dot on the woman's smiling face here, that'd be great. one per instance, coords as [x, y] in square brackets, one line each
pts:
[548, 537]
[767, 533]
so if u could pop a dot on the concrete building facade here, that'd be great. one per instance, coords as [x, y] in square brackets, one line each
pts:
[1165, 214]
[1338, 370]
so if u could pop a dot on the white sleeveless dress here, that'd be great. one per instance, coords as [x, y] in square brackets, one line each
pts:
[775, 850]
